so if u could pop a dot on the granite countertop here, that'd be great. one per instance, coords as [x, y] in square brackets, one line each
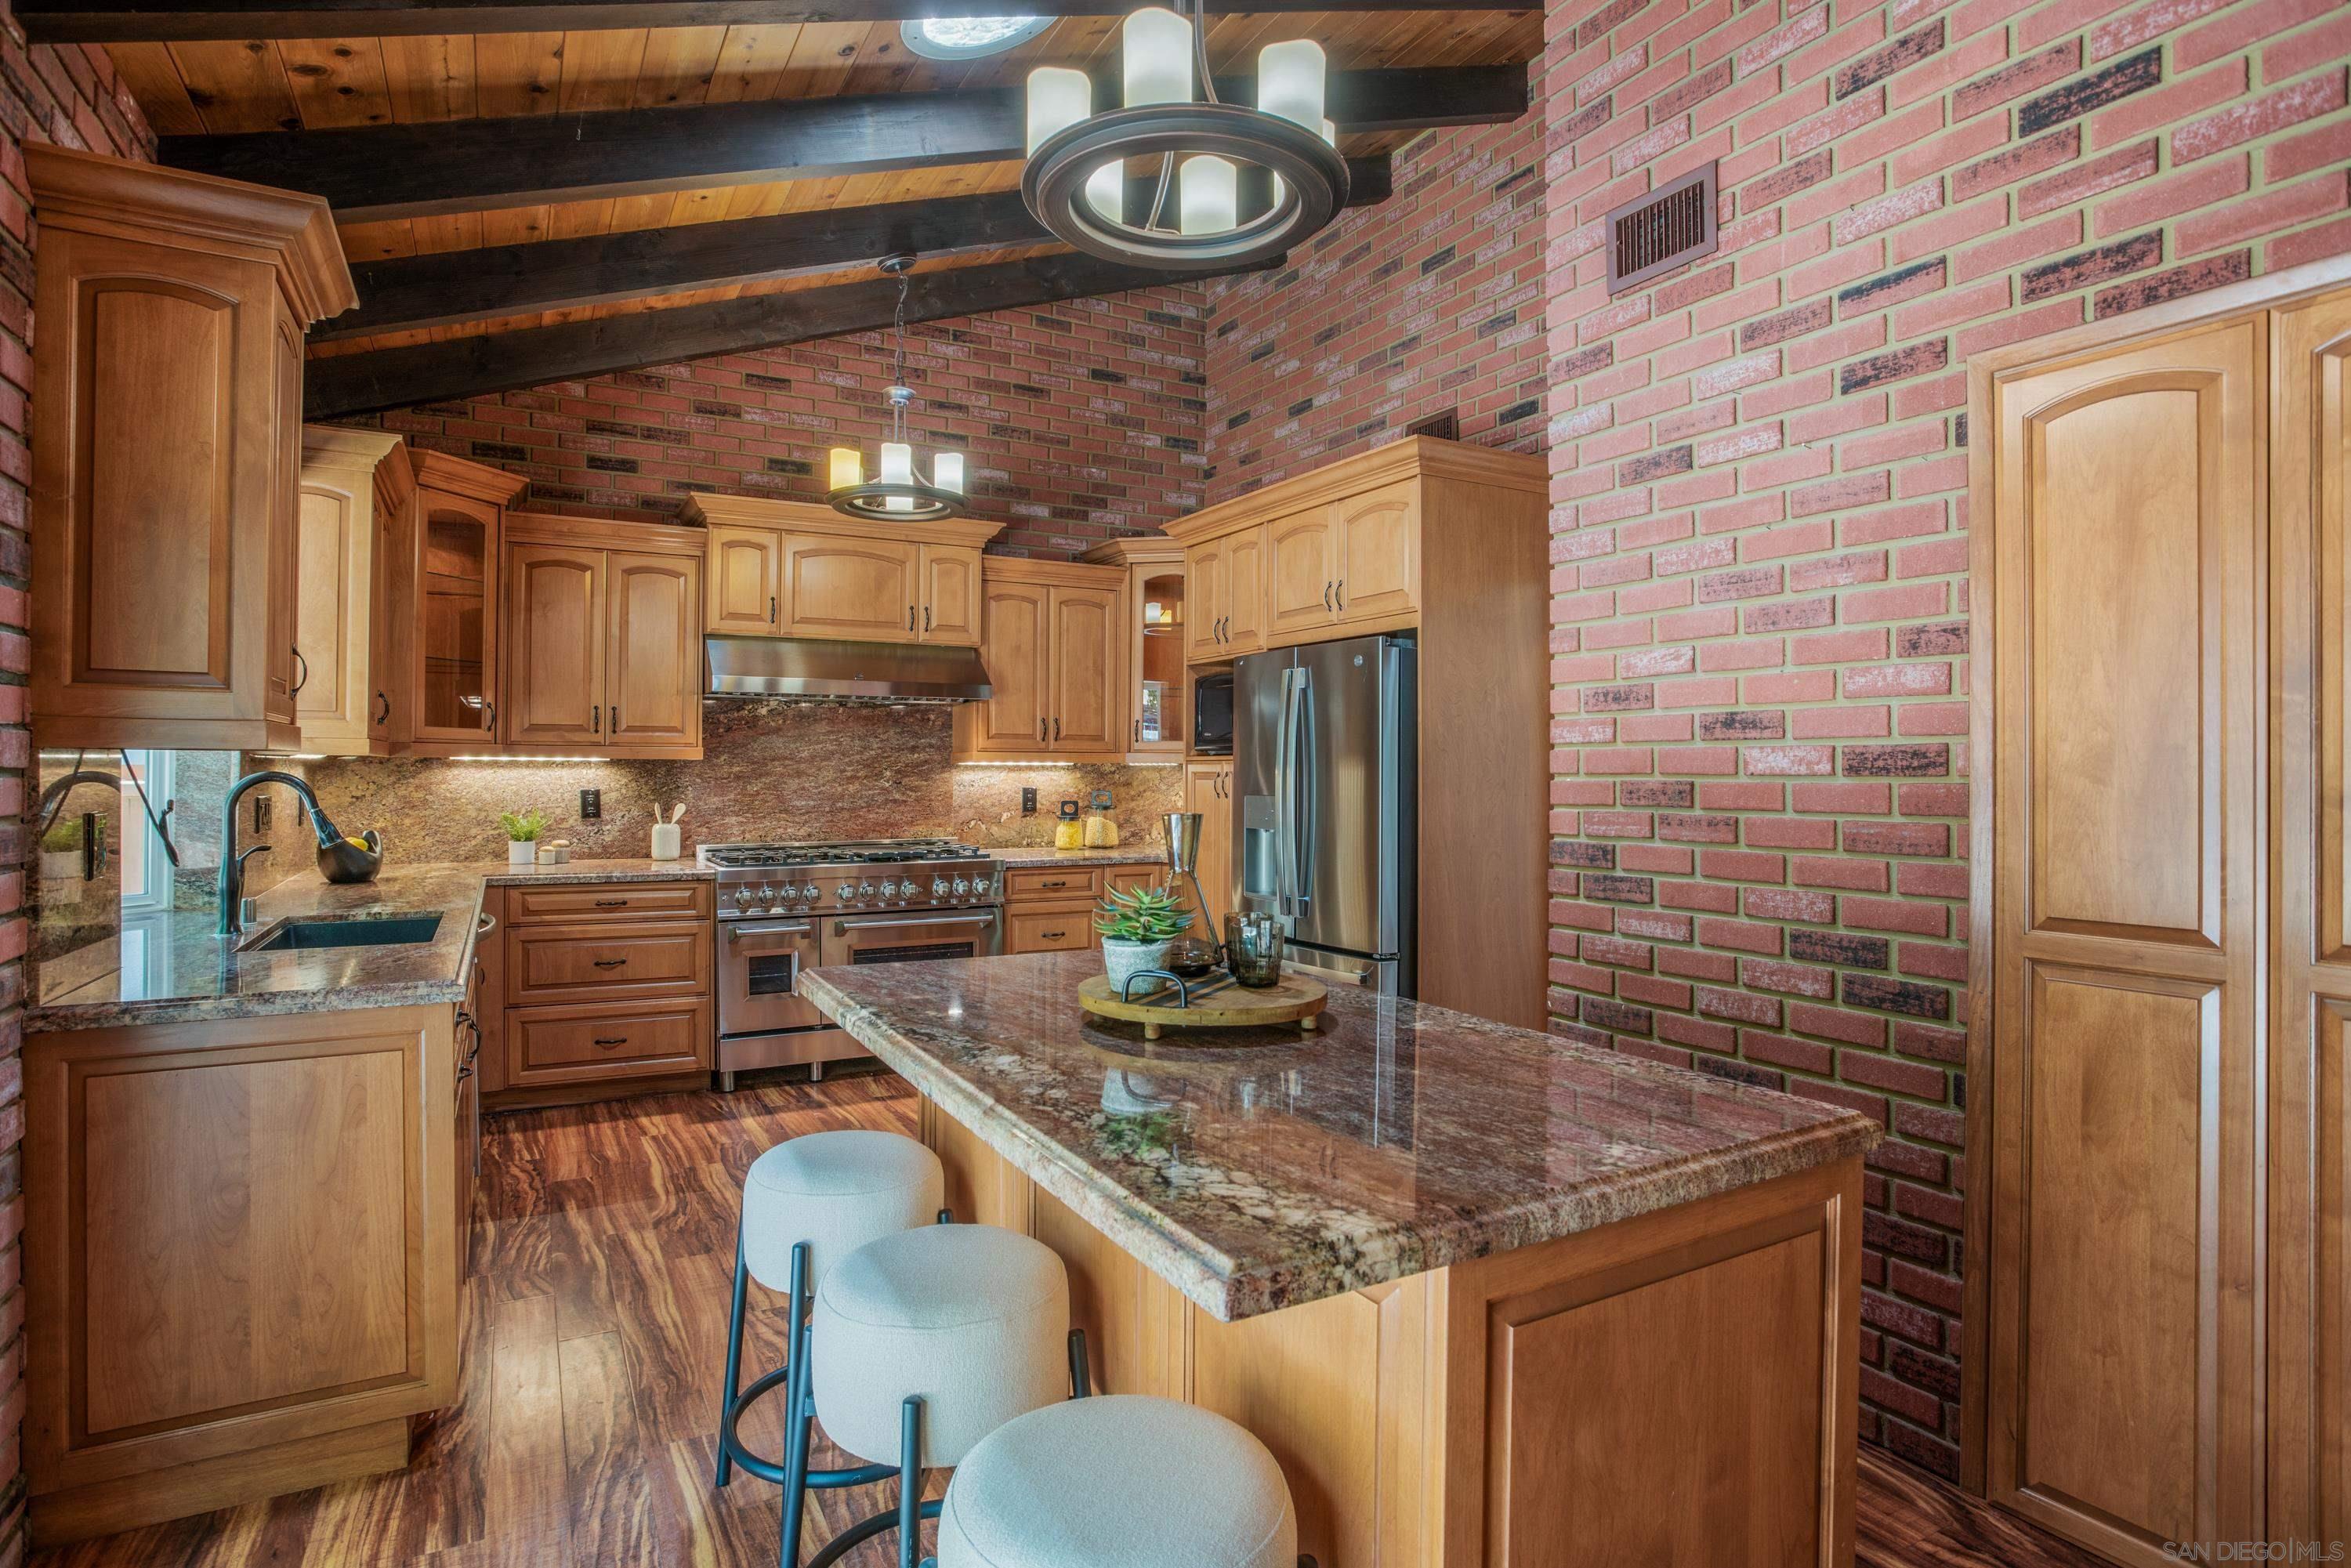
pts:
[1257, 1176]
[1045, 854]
[172, 967]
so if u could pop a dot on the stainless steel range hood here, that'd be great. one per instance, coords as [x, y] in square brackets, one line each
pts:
[809, 670]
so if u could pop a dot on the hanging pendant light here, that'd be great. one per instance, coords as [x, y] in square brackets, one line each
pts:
[900, 494]
[1194, 217]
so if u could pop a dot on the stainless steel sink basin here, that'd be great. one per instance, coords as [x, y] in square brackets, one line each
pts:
[347, 930]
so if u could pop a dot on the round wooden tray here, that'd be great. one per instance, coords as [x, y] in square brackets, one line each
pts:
[1296, 1000]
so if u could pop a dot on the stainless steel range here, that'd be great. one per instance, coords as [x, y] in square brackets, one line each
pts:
[783, 908]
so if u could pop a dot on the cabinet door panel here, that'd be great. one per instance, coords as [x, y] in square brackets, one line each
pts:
[331, 621]
[654, 673]
[950, 576]
[857, 590]
[1207, 790]
[1301, 558]
[456, 651]
[1088, 640]
[746, 576]
[1015, 633]
[284, 528]
[555, 671]
[1208, 583]
[1379, 554]
[2125, 611]
[1244, 588]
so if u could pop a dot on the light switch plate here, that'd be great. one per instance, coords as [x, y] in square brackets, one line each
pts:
[592, 805]
[1028, 800]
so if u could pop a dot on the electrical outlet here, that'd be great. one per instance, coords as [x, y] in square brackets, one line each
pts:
[591, 804]
[1028, 800]
[263, 811]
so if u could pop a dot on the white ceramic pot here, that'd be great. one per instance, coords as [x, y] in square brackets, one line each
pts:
[522, 852]
[1121, 958]
[669, 840]
[61, 865]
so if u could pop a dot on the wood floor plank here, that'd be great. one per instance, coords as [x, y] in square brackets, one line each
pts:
[594, 1322]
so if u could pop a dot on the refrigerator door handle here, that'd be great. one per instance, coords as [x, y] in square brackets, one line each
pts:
[1305, 789]
[1285, 769]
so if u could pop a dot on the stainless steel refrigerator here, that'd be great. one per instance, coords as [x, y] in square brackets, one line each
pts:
[1325, 756]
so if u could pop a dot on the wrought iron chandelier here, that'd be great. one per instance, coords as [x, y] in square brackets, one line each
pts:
[1075, 182]
[901, 494]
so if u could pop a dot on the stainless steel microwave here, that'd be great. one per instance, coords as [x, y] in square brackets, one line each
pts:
[1212, 715]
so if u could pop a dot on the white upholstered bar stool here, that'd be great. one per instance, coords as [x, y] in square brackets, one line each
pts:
[808, 1203]
[922, 1344]
[1118, 1478]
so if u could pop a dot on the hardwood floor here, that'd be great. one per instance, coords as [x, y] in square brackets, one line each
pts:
[594, 1321]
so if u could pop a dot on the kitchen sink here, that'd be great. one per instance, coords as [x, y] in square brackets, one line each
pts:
[348, 931]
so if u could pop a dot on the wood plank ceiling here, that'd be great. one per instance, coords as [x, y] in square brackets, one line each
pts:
[236, 89]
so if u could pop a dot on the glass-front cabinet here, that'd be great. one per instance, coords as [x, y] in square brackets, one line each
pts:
[445, 593]
[1159, 705]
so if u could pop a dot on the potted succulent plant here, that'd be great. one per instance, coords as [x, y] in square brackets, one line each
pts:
[1137, 925]
[523, 828]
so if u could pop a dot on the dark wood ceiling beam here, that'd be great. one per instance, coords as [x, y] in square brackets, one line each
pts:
[173, 21]
[408, 293]
[373, 172]
[346, 384]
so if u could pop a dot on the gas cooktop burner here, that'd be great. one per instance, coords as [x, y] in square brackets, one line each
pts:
[855, 876]
[869, 851]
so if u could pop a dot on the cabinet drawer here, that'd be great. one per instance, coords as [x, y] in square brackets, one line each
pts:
[1049, 930]
[1061, 883]
[584, 1044]
[607, 901]
[582, 963]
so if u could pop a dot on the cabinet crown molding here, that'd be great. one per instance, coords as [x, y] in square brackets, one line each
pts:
[479, 480]
[1416, 456]
[1137, 550]
[332, 446]
[95, 194]
[1063, 573]
[712, 511]
[602, 533]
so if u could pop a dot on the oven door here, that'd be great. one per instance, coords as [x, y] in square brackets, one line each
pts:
[913, 938]
[759, 964]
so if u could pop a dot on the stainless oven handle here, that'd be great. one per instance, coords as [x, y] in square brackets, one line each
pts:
[978, 918]
[736, 933]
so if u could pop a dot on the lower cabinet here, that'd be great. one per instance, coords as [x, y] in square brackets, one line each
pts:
[240, 1259]
[603, 988]
[1051, 908]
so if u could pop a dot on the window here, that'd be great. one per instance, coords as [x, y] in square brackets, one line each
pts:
[146, 869]
[968, 37]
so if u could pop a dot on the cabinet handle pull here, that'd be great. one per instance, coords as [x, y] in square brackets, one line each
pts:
[910, 617]
[926, 617]
[1052, 935]
[596, 720]
[611, 963]
[489, 715]
[612, 1039]
[611, 903]
[771, 610]
[1138, 732]
[1057, 726]
[302, 674]
[1064, 882]
[1043, 732]
[1326, 596]
[616, 718]
[386, 703]
[1342, 594]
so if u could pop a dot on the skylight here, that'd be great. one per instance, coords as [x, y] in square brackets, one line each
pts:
[966, 38]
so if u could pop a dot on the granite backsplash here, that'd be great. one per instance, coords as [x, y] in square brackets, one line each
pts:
[769, 770]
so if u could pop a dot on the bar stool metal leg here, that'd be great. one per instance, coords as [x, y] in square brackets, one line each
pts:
[734, 1361]
[910, 1482]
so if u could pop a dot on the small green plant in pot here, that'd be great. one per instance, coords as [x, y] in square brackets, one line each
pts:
[1137, 925]
[522, 829]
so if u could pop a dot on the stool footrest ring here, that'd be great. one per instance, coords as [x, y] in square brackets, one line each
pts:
[863, 1530]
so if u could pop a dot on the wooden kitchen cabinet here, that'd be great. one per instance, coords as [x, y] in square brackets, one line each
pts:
[1226, 578]
[336, 639]
[442, 690]
[1378, 565]
[1051, 908]
[1159, 624]
[603, 988]
[241, 1271]
[603, 637]
[1053, 639]
[1208, 789]
[1302, 553]
[745, 567]
[165, 461]
[790, 568]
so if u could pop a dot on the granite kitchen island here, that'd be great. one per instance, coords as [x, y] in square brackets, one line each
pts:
[1490, 1297]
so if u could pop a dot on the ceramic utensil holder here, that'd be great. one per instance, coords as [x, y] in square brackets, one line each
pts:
[669, 840]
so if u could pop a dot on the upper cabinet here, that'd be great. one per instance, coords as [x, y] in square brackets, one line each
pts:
[441, 687]
[166, 454]
[603, 646]
[335, 634]
[789, 569]
[1053, 639]
[1158, 625]
[1331, 553]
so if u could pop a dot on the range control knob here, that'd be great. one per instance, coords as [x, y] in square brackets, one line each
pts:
[938, 887]
[764, 895]
[961, 887]
[979, 885]
[844, 891]
[743, 895]
[807, 894]
[864, 890]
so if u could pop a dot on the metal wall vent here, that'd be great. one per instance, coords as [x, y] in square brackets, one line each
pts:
[1672, 225]
[1444, 426]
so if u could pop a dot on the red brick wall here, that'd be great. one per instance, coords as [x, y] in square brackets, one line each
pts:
[1760, 637]
[70, 97]
[1080, 420]
[1432, 301]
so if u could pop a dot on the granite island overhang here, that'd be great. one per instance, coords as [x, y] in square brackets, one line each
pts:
[1490, 1296]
